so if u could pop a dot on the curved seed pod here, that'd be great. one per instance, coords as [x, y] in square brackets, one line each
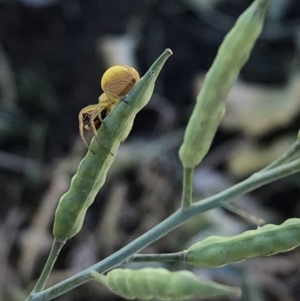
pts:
[93, 168]
[119, 80]
[216, 251]
[162, 284]
[210, 106]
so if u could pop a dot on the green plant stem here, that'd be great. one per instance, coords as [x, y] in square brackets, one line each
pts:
[285, 157]
[55, 250]
[246, 215]
[169, 224]
[187, 191]
[97, 277]
[168, 257]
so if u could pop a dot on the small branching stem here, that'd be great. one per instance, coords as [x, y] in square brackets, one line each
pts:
[187, 191]
[246, 215]
[55, 250]
[285, 157]
[169, 224]
[168, 257]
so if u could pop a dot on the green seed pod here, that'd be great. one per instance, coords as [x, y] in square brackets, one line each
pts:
[210, 107]
[216, 251]
[162, 284]
[93, 168]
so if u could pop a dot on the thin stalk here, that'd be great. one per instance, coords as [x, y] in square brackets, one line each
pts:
[187, 191]
[246, 215]
[169, 224]
[168, 257]
[98, 277]
[55, 250]
[286, 156]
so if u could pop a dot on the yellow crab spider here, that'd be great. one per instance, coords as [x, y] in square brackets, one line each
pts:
[116, 82]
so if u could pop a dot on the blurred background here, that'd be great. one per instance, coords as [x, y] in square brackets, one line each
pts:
[52, 56]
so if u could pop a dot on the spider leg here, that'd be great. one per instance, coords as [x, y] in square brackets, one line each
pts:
[113, 97]
[104, 104]
[99, 110]
[92, 123]
[87, 109]
[102, 121]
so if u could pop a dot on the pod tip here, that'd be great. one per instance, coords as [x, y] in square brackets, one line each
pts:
[169, 51]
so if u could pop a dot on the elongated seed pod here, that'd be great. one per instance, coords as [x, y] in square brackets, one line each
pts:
[93, 168]
[162, 284]
[216, 251]
[210, 106]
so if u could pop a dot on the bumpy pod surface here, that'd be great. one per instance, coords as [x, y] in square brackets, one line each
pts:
[216, 251]
[93, 168]
[210, 106]
[162, 284]
[119, 80]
